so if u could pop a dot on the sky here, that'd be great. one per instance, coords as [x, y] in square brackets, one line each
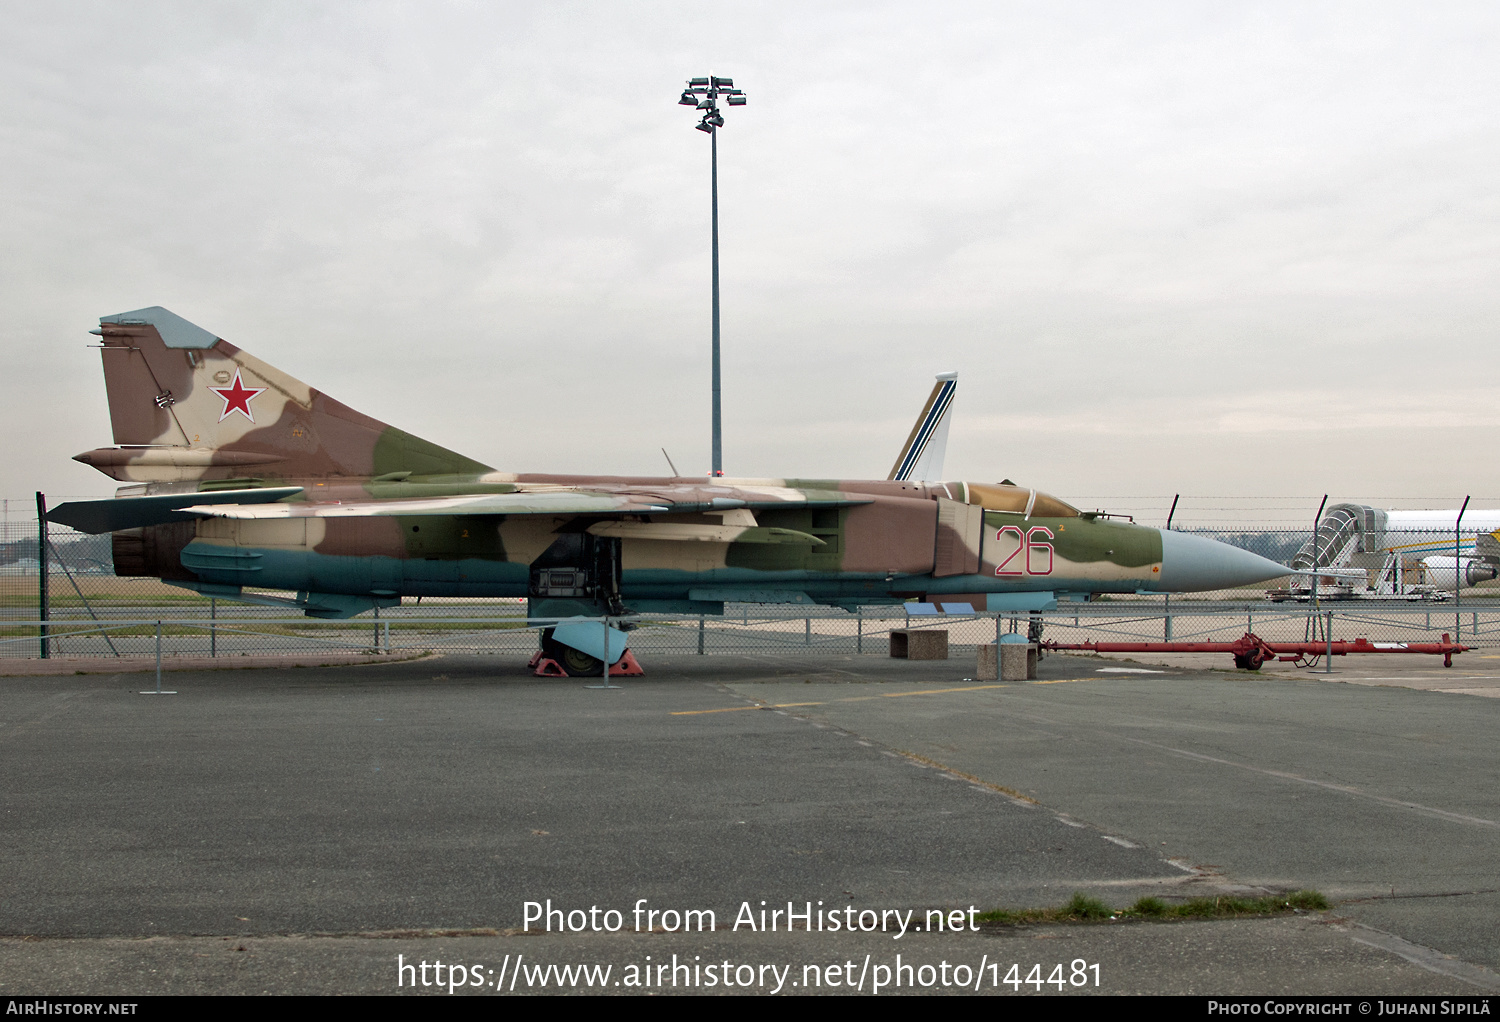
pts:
[1231, 250]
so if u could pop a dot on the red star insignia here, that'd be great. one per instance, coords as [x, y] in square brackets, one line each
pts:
[237, 397]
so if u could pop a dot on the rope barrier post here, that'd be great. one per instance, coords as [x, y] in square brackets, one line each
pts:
[605, 684]
[158, 691]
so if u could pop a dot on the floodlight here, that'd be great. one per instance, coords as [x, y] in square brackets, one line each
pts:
[736, 101]
[703, 127]
[688, 99]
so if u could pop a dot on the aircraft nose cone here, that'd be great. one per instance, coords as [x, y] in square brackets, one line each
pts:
[1192, 564]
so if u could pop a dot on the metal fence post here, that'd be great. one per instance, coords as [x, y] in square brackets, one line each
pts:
[701, 630]
[1328, 632]
[385, 636]
[1458, 571]
[1317, 520]
[41, 561]
[213, 628]
[808, 640]
[859, 629]
[1166, 615]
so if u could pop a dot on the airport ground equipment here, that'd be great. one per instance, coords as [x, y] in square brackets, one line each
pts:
[1250, 650]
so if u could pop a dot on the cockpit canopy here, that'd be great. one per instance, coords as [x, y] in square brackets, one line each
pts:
[1016, 499]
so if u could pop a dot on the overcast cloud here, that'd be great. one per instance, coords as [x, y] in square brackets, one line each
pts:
[1175, 247]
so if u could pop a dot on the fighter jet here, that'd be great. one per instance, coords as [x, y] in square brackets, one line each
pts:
[240, 477]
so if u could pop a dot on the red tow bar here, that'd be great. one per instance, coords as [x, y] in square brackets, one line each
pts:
[1250, 650]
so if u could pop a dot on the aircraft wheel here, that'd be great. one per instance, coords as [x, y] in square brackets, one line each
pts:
[578, 663]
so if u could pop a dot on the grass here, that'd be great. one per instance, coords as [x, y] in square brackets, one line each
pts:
[1083, 909]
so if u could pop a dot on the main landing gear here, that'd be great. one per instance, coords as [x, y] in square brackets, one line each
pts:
[556, 660]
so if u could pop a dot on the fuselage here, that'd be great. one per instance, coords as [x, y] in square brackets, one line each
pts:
[1418, 534]
[840, 542]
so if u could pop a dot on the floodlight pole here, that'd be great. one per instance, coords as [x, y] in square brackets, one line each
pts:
[703, 94]
[717, 452]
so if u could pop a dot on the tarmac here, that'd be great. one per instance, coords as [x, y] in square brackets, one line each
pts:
[314, 830]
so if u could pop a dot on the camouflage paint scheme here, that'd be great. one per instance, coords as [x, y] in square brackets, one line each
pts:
[383, 514]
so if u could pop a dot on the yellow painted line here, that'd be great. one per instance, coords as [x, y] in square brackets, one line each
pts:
[852, 699]
[926, 692]
[898, 695]
[735, 709]
[1064, 681]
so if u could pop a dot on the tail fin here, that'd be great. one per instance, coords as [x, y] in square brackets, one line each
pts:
[187, 405]
[922, 457]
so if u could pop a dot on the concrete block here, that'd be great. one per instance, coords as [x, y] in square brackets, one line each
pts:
[1013, 657]
[919, 643]
[988, 667]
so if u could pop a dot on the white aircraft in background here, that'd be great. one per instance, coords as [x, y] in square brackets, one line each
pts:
[1393, 543]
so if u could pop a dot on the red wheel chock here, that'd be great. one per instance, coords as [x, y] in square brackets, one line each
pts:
[536, 658]
[546, 667]
[626, 667]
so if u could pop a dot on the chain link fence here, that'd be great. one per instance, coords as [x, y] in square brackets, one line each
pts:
[743, 630]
